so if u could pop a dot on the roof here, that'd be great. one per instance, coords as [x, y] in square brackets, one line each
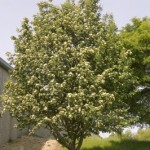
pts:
[5, 65]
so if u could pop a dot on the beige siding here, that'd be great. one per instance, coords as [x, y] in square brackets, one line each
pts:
[5, 120]
[7, 130]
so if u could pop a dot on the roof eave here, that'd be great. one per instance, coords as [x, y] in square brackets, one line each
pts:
[5, 65]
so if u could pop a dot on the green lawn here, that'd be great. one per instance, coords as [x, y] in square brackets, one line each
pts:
[138, 142]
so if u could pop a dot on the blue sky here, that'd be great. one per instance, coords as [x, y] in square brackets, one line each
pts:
[13, 11]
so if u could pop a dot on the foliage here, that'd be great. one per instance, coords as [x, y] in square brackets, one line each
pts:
[143, 134]
[136, 37]
[71, 73]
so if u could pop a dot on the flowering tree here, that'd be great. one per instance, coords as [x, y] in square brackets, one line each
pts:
[70, 73]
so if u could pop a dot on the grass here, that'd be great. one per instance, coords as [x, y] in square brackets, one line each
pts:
[127, 142]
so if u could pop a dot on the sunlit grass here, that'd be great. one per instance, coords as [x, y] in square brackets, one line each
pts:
[127, 141]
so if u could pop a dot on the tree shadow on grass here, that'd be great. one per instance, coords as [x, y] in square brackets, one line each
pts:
[123, 145]
[93, 148]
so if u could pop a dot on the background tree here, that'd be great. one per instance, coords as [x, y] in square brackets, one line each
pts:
[71, 73]
[136, 37]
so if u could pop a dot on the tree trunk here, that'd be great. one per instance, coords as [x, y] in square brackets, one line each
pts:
[76, 147]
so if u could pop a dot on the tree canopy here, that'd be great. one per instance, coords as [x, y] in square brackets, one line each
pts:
[71, 73]
[136, 37]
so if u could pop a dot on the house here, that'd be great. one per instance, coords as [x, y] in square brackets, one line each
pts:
[4, 73]
[7, 131]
